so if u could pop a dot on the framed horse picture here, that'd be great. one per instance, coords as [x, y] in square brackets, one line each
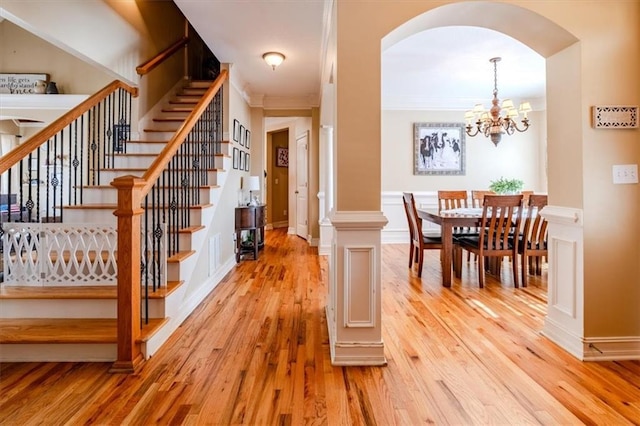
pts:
[438, 149]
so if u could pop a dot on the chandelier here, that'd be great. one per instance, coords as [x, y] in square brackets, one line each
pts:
[492, 123]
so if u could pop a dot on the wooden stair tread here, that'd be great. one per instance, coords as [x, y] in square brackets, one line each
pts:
[58, 292]
[161, 130]
[87, 292]
[178, 109]
[191, 229]
[180, 256]
[113, 206]
[68, 330]
[169, 119]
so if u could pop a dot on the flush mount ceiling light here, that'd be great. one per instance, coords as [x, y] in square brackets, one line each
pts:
[492, 123]
[273, 59]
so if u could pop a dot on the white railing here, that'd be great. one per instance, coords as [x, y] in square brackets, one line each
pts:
[37, 254]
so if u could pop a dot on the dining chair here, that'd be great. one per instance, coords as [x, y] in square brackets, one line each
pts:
[525, 197]
[477, 197]
[448, 200]
[456, 199]
[501, 218]
[419, 242]
[532, 244]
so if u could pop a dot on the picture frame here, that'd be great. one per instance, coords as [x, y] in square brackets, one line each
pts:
[241, 160]
[247, 139]
[236, 159]
[282, 157]
[21, 83]
[246, 161]
[242, 135]
[439, 149]
[236, 130]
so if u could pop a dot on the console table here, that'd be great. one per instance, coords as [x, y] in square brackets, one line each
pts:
[251, 219]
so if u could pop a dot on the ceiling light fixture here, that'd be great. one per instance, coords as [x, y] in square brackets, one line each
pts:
[491, 123]
[273, 59]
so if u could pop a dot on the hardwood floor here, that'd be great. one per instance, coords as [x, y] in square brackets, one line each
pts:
[256, 352]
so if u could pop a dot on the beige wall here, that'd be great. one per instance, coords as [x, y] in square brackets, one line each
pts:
[27, 53]
[91, 53]
[601, 69]
[517, 156]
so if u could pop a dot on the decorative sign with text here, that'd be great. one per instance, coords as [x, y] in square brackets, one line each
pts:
[18, 84]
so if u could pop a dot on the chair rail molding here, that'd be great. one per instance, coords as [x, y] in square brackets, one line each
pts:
[397, 230]
[355, 288]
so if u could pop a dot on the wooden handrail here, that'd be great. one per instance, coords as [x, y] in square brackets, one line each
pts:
[131, 192]
[146, 67]
[12, 157]
[170, 149]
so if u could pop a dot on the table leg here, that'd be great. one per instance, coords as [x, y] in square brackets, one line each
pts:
[447, 251]
[255, 243]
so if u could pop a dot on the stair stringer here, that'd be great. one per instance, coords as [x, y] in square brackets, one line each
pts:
[185, 299]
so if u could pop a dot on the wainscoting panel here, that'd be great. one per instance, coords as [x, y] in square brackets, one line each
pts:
[564, 323]
[359, 303]
[397, 230]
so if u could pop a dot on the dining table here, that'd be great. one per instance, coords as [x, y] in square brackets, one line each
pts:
[448, 221]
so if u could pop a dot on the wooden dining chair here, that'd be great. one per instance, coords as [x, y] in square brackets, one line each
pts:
[448, 200]
[419, 242]
[525, 197]
[456, 199]
[532, 244]
[477, 197]
[501, 218]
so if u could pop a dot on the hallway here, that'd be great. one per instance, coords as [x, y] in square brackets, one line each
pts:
[256, 352]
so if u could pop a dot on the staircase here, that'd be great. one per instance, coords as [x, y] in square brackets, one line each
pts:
[78, 322]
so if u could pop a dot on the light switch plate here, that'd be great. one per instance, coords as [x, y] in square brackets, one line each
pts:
[625, 173]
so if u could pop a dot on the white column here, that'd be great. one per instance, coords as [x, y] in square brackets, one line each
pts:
[326, 189]
[355, 287]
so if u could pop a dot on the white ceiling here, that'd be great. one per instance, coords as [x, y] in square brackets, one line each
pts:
[442, 68]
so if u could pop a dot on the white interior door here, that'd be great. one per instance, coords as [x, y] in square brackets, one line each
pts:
[302, 186]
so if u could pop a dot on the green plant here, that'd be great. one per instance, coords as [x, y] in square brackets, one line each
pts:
[506, 186]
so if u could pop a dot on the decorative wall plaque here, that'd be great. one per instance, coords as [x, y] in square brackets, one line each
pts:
[615, 117]
[18, 84]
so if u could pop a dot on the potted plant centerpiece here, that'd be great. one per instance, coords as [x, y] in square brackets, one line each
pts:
[506, 186]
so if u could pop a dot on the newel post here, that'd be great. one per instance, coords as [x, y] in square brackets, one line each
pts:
[128, 212]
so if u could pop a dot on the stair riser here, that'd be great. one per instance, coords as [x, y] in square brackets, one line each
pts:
[58, 308]
[69, 308]
[107, 176]
[145, 147]
[181, 271]
[80, 215]
[62, 352]
[164, 125]
[110, 195]
[144, 161]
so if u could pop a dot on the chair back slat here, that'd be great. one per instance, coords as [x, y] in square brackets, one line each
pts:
[448, 200]
[501, 217]
[535, 226]
[477, 197]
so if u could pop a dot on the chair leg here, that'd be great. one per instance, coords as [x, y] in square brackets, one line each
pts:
[410, 254]
[481, 261]
[514, 268]
[523, 268]
[420, 259]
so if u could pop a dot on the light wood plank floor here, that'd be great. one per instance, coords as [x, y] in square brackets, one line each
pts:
[256, 352]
